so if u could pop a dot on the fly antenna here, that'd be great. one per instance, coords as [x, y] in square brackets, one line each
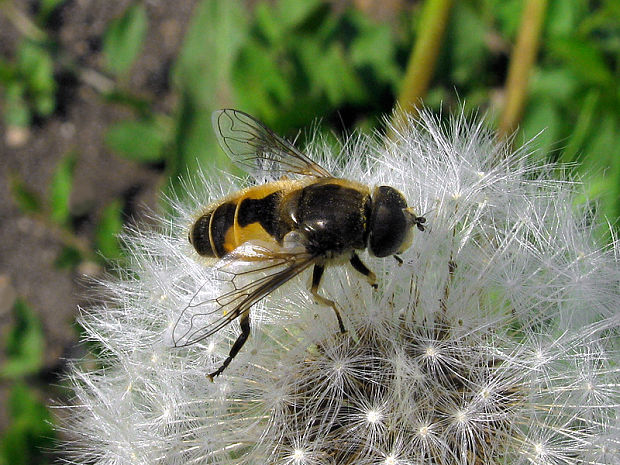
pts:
[413, 219]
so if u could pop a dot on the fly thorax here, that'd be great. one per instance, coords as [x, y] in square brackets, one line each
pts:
[332, 217]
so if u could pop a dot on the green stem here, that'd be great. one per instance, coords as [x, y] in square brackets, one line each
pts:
[521, 63]
[421, 65]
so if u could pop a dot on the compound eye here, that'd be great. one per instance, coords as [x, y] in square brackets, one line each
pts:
[388, 223]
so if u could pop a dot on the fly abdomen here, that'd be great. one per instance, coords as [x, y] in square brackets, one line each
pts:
[212, 234]
[252, 215]
[200, 237]
[222, 229]
[263, 211]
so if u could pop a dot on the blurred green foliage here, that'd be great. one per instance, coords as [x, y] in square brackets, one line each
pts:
[289, 62]
[23, 345]
[108, 230]
[60, 189]
[123, 39]
[29, 85]
[30, 431]
[27, 80]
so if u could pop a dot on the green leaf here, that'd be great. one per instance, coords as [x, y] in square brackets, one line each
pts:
[603, 149]
[375, 47]
[218, 30]
[293, 12]
[8, 72]
[435, 98]
[108, 230]
[581, 127]
[584, 59]
[467, 34]
[196, 142]
[44, 104]
[562, 17]
[16, 111]
[257, 64]
[46, 8]
[25, 343]
[541, 125]
[68, 258]
[60, 189]
[123, 39]
[559, 84]
[141, 141]
[340, 79]
[36, 66]
[268, 24]
[508, 14]
[601, 164]
[23, 404]
[26, 199]
[332, 74]
[30, 431]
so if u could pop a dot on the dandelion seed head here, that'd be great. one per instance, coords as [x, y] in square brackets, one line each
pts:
[298, 456]
[496, 341]
[390, 460]
[374, 416]
[431, 352]
[485, 393]
[539, 449]
[461, 417]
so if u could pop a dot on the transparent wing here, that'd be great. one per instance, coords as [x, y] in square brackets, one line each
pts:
[251, 272]
[258, 150]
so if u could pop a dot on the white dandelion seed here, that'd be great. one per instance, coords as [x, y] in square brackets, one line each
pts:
[495, 342]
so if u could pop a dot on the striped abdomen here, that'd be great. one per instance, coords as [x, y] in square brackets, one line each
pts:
[331, 214]
[253, 214]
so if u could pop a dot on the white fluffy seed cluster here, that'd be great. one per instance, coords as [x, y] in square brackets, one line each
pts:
[495, 342]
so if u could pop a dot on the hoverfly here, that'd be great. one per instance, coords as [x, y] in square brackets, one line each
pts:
[304, 217]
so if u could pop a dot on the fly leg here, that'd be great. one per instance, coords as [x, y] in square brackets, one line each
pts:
[245, 332]
[317, 274]
[359, 266]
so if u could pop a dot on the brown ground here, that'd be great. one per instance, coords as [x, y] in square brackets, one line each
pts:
[28, 248]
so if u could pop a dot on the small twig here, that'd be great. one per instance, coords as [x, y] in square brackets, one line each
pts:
[66, 237]
[22, 22]
[101, 83]
[521, 63]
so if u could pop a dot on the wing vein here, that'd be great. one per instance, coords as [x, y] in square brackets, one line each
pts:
[280, 266]
[257, 149]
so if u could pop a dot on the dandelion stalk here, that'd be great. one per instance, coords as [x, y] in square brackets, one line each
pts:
[521, 62]
[421, 64]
